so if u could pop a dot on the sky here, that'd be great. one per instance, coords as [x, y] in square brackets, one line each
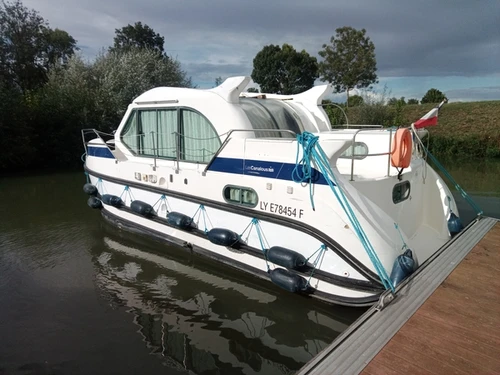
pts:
[450, 45]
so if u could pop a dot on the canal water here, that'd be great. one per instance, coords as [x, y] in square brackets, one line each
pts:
[78, 296]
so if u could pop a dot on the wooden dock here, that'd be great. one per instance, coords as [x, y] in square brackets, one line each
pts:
[445, 320]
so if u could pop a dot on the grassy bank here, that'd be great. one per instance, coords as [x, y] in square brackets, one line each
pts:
[464, 129]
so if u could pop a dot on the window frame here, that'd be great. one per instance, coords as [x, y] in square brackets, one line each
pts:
[356, 157]
[180, 139]
[240, 203]
[407, 192]
[179, 142]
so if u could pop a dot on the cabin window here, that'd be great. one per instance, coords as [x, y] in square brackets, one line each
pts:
[129, 133]
[148, 132]
[151, 132]
[240, 195]
[360, 151]
[167, 137]
[199, 140]
[272, 115]
[401, 192]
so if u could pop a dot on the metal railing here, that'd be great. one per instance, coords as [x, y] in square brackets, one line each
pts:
[353, 156]
[104, 137]
[337, 106]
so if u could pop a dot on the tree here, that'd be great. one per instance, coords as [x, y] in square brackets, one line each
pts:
[283, 70]
[356, 101]
[349, 60]
[123, 75]
[412, 101]
[28, 47]
[139, 36]
[253, 89]
[16, 143]
[60, 46]
[218, 81]
[68, 102]
[433, 96]
[395, 101]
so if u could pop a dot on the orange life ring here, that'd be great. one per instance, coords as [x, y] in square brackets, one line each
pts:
[401, 148]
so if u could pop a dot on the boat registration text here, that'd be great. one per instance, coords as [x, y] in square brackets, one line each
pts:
[281, 210]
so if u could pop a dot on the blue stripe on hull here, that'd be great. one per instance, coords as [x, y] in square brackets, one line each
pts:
[100, 152]
[259, 168]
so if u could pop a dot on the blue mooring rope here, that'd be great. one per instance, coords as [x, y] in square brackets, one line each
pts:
[202, 214]
[321, 250]
[312, 152]
[260, 234]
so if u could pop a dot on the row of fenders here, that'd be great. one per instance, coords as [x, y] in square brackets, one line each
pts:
[281, 256]
[404, 265]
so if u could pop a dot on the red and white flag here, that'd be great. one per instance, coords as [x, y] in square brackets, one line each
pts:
[430, 119]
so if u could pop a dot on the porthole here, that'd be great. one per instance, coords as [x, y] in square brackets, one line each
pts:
[401, 192]
[360, 150]
[240, 195]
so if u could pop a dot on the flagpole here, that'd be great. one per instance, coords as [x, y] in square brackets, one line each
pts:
[443, 102]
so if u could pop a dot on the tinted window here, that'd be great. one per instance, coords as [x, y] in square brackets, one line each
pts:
[199, 140]
[129, 135]
[271, 114]
[240, 195]
[360, 150]
[401, 191]
[151, 132]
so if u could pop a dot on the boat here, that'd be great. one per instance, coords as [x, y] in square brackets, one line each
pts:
[263, 184]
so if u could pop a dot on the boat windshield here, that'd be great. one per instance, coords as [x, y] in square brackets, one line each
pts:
[271, 114]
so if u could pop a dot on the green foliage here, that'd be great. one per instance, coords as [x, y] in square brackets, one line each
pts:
[398, 113]
[124, 75]
[349, 60]
[412, 101]
[60, 46]
[374, 111]
[336, 112]
[28, 47]
[433, 96]
[283, 70]
[252, 89]
[67, 103]
[138, 36]
[396, 101]
[16, 144]
[356, 101]
[218, 81]
[475, 146]
[392, 101]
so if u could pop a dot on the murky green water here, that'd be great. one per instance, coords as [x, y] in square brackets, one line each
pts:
[78, 296]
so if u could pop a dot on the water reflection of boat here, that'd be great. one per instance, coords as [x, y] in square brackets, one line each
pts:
[209, 323]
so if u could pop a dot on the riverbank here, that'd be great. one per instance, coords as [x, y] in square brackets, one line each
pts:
[464, 130]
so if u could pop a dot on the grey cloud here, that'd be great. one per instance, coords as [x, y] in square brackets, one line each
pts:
[419, 38]
[208, 71]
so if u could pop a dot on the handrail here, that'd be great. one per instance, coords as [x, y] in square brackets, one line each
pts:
[226, 141]
[339, 107]
[375, 154]
[355, 126]
[98, 133]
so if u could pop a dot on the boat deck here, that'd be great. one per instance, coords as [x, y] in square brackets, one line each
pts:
[445, 320]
